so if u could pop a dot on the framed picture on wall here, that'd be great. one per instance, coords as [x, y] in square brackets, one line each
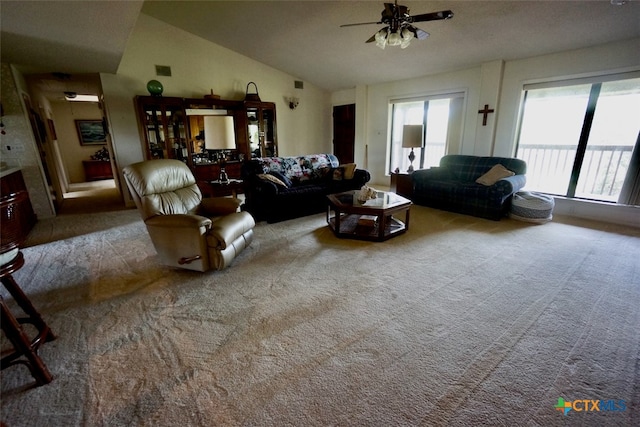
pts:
[91, 132]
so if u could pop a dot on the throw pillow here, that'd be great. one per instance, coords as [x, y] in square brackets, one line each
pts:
[345, 171]
[271, 178]
[349, 170]
[494, 174]
[282, 177]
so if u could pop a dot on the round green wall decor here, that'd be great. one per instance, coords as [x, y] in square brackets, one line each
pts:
[155, 88]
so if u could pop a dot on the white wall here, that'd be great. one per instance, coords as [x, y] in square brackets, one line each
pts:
[498, 84]
[198, 67]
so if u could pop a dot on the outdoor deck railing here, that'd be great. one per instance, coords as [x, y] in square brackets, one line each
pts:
[601, 177]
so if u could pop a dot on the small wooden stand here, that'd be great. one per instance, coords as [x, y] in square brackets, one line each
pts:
[12, 327]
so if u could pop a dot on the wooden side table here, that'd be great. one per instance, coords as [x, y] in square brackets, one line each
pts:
[402, 185]
[25, 349]
[219, 189]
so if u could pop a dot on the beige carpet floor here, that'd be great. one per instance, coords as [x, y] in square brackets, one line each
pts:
[461, 321]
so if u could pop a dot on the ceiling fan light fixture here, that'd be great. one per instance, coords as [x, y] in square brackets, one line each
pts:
[394, 39]
[399, 30]
[381, 38]
[407, 35]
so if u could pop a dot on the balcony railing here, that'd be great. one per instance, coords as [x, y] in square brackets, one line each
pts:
[601, 177]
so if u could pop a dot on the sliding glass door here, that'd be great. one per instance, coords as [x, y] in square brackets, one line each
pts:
[578, 137]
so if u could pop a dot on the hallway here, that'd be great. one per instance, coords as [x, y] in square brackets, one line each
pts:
[91, 197]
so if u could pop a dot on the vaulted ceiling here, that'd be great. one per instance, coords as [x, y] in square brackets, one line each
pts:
[304, 38]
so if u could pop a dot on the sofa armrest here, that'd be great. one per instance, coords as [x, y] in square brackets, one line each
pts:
[509, 185]
[362, 176]
[262, 186]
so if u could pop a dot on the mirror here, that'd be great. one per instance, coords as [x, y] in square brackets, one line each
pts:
[209, 150]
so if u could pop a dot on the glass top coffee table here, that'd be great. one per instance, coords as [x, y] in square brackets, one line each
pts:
[371, 220]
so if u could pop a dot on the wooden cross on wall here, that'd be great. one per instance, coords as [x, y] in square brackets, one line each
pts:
[485, 112]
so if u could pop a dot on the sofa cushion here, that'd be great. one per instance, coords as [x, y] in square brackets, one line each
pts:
[494, 174]
[312, 190]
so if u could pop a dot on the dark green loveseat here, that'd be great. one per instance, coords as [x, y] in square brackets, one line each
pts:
[452, 186]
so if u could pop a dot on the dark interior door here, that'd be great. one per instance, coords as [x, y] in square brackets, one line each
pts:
[344, 132]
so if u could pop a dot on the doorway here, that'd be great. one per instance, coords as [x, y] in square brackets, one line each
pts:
[344, 132]
[71, 159]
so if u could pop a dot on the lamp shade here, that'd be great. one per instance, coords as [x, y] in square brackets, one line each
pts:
[412, 136]
[219, 133]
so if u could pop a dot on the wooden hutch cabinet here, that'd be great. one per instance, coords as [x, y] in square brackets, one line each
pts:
[173, 128]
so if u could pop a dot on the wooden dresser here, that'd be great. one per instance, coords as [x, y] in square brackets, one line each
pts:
[95, 170]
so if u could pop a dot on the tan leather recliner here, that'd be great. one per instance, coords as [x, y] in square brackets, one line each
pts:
[187, 231]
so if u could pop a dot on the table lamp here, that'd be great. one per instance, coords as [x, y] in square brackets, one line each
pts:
[219, 134]
[411, 138]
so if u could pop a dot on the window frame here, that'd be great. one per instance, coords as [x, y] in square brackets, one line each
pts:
[425, 98]
[595, 82]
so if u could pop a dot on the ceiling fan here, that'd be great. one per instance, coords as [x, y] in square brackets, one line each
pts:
[399, 29]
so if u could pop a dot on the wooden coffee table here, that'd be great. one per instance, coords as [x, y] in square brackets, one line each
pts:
[371, 220]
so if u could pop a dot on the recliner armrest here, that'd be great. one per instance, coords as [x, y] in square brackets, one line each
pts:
[217, 206]
[178, 221]
[228, 228]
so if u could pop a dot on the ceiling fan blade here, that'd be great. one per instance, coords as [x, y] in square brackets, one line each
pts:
[418, 33]
[434, 16]
[360, 23]
[373, 37]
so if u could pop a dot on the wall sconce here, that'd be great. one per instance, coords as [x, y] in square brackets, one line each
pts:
[293, 102]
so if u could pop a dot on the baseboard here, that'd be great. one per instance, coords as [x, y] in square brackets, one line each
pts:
[599, 211]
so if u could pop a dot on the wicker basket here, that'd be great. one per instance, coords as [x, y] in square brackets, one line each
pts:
[252, 96]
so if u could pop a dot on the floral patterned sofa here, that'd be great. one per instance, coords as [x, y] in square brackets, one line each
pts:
[281, 188]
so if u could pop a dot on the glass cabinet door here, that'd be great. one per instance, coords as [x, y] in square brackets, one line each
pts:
[163, 128]
[261, 129]
[176, 140]
[269, 132]
[253, 132]
[156, 148]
